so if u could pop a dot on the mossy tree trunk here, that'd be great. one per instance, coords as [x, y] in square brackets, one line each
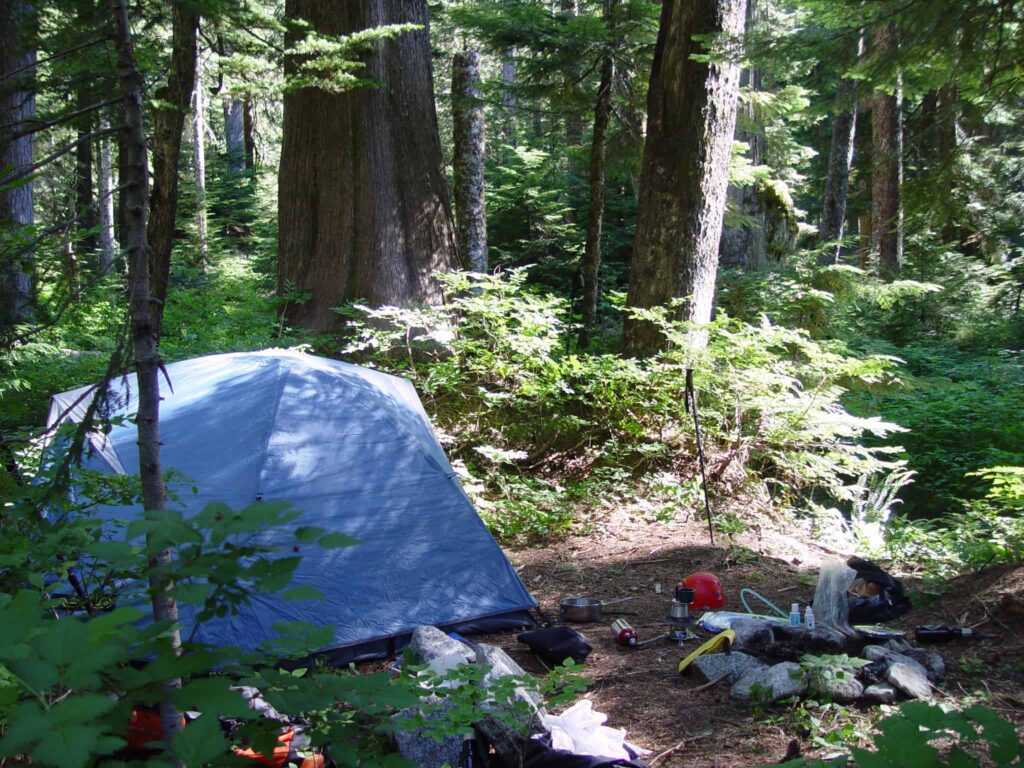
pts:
[468, 159]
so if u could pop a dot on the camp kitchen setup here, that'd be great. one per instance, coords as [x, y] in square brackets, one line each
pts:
[354, 450]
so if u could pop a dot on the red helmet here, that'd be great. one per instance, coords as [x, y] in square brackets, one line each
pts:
[707, 591]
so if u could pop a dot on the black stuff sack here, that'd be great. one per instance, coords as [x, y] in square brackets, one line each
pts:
[876, 596]
[556, 644]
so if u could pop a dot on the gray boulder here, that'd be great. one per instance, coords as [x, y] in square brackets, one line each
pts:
[933, 663]
[775, 683]
[885, 658]
[713, 665]
[837, 685]
[752, 636]
[880, 693]
[430, 643]
[910, 680]
[422, 750]
[508, 726]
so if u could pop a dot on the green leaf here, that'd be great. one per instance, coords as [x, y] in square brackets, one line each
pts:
[213, 695]
[200, 742]
[336, 541]
[303, 592]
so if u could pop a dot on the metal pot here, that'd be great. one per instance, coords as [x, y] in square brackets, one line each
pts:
[583, 610]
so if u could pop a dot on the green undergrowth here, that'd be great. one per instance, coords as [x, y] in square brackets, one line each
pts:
[541, 433]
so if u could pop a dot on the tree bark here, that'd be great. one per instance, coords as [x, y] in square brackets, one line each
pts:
[746, 246]
[691, 117]
[234, 134]
[199, 159]
[249, 132]
[168, 125]
[509, 77]
[105, 185]
[887, 177]
[840, 159]
[364, 207]
[145, 337]
[17, 107]
[595, 215]
[85, 198]
[468, 159]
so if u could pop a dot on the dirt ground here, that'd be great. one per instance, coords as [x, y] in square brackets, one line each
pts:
[640, 690]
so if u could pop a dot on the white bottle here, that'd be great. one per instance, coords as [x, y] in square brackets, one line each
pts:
[809, 618]
[794, 615]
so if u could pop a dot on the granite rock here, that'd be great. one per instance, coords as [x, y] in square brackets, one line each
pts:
[778, 682]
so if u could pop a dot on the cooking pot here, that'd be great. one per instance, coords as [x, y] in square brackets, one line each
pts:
[583, 610]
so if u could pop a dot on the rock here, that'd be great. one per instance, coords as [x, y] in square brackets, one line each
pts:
[713, 665]
[911, 680]
[880, 693]
[837, 685]
[422, 750]
[886, 658]
[503, 665]
[899, 646]
[752, 636]
[933, 663]
[430, 643]
[778, 682]
[509, 738]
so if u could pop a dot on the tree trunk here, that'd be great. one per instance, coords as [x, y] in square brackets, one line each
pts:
[234, 134]
[145, 337]
[17, 106]
[595, 215]
[249, 132]
[199, 159]
[691, 116]
[887, 152]
[105, 185]
[840, 159]
[508, 96]
[168, 124]
[364, 208]
[468, 159]
[746, 246]
[85, 198]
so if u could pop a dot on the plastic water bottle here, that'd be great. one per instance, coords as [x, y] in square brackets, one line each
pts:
[809, 617]
[794, 615]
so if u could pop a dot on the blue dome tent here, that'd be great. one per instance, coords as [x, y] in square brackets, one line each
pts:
[352, 448]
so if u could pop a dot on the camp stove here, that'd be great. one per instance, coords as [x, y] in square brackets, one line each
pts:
[679, 618]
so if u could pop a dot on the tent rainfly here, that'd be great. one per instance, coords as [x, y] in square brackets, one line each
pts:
[354, 450]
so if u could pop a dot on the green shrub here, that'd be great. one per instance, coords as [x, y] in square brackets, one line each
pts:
[517, 410]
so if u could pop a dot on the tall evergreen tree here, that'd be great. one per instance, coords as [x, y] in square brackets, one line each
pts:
[364, 210]
[691, 117]
[17, 109]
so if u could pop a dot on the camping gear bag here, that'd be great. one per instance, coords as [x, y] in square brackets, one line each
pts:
[556, 644]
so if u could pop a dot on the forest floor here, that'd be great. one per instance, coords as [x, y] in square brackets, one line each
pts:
[626, 554]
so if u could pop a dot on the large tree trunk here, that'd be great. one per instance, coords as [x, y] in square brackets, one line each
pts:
[17, 106]
[364, 209]
[468, 159]
[105, 186]
[145, 337]
[691, 116]
[887, 155]
[746, 246]
[234, 133]
[168, 124]
[595, 215]
[199, 159]
[840, 159]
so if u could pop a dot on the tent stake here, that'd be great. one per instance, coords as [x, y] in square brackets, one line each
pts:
[691, 404]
